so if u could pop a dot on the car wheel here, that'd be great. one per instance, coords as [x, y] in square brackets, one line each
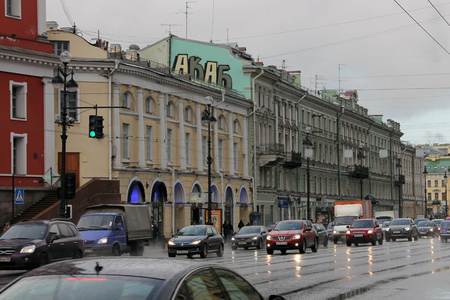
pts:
[393, 239]
[374, 242]
[315, 246]
[172, 254]
[416, 238]
[380, 241]
[335, 241]
[43, 259]
[78, 254]
[204, 251]
[356, 244]
[234, 247]
[325, 243]
[189, 255]
[246, 248]
[269, 251]
[410, 239]
[116, 250]
[283, 251]
[303, 247]
[259, 245]
[220, 252]
[349, 244]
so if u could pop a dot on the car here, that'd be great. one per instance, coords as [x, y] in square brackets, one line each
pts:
[249, 236]
[322, 234]
[364, 231]
[35, 243]
[402, 228]
[385, 227]
[292, 235]
[416, 221]
[131, 278]
[438, 223]
[445, 230]
[427, 228]
[196, 239]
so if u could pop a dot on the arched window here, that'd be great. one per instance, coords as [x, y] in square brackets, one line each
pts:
[222, 123]
[126, 100]
[236, 127]
[171, 110]
[149, 105]
[188, 115]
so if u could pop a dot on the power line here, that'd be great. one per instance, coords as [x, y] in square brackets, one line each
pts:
[437, 10]
[422, 27]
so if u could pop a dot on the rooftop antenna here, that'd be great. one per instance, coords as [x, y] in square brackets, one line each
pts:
[283, 64]
[339, 79]
[186, 12]
[169, 27]
[228, 35]
[212, 20]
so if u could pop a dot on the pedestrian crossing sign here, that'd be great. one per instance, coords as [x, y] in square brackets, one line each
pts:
[20, 196]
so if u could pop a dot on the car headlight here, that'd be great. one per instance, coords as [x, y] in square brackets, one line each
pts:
[196, 242]
[28, 249]
[102, 241]
[233, 239]
[370, 231]
[269, 237]
[348, 232]
[255, 238]
[439, 228]
[431, 229]
[171, 243]
[297, 236]
[407, 228]
[387, 229]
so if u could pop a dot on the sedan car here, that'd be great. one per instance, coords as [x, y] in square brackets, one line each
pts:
[322, 234]
[438, 223]
[249, 236]
[130, 278]
[292, 235]
[385, 227]
[196, 239]
[403, 228]
[445, 231]
[428, 228]
[364, 231]
[36, 243]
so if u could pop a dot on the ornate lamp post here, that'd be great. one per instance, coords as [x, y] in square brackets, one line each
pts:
[425, 173]
[309, 153]
[208, 116]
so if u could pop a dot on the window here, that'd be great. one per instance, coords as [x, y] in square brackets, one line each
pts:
[236, 156]
[14, 8]
[222, 123]
[60, 47]
[19, 154]
[220, 148]
[170, 110]
[188, 115]
[149, 105]
[201, 285]
[436, 196]
[429, 196]
[126, 100]
[187, 142]
[149, 143]
[443, 183]
[54, 230]
[169, 145]
[429, 183]
[65, 231]
[125, 141]
[18, 96]
[236, 127]
[205, 151]
[71, 104]
[436, 183]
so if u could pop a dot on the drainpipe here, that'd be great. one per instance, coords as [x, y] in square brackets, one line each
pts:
[173, 200]
[254, 138]
[116, 66]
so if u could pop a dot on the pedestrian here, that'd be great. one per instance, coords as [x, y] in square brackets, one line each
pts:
[6, 227]
[225, 230]
[241, 224]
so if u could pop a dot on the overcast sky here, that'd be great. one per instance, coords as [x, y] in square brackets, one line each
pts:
[400, 72]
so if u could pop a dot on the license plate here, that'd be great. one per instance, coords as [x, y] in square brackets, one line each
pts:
[359, 235]
[5, 258]
[88, 250]
[282, 243]
[396, 231]
[182, 252]
[242, 243]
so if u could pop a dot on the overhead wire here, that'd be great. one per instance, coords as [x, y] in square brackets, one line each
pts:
[437, 10]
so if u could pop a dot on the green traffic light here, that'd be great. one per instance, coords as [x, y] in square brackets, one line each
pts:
[92, 134]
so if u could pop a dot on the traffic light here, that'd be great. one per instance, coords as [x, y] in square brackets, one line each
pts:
[95, 127]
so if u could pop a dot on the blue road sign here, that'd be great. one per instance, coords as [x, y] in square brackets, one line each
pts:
[20, 196]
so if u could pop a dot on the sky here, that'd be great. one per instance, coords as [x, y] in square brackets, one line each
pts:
[399, 70]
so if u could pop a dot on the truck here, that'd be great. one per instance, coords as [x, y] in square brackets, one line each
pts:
[113, 229]
[383, 216]
[345, 212]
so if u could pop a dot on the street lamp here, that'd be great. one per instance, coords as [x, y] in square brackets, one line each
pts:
[309, 153]
[68, 86]
[208, 116]
[425, 173]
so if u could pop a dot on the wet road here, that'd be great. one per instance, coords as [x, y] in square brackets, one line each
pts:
[395, 270]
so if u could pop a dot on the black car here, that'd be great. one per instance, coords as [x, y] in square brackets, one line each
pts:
[196, 239]
[403, 228]
[249, 236]
[130, 278]
[36, 243]
[322, 234]
[428, 228]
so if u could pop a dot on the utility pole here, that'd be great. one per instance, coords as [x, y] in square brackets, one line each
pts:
[186, 13]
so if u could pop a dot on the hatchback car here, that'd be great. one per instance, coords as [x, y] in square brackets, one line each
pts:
[130, 278]
[249, 236]
[403, 228]
[364, 231]
[428, 228]
[196, 239]
[292, 235]
[322, 234]
[36, 243]
[445, 231]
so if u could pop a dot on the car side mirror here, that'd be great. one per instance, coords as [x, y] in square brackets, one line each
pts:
[276, 297]
[263, 232]
[269, 230]
[210, 234]
[348, 226]
[52, 237]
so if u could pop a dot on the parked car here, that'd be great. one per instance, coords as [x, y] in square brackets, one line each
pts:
[438, 223]
[249, 236]
[428, 228]
[445, 230]
[130, 278]
[36, 243]
[364, 231]
[322, 234]
[292, 235]
[113, 229]
[403, 228]
[416, 221]
[196, 239]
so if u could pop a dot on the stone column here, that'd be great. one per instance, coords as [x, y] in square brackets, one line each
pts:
[181, 141]
[141, 129]
[245, 147]
[231, 143]
[163, 130]
[198, 118]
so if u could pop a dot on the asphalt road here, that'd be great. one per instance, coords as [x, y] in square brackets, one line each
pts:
[394, 270]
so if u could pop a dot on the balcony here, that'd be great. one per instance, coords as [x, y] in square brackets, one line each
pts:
[360, 172]
[270, 154]
[293, 160]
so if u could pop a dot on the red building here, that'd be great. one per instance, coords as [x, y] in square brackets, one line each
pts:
[26, 98]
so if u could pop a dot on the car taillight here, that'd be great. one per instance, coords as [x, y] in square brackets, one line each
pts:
[348, 232]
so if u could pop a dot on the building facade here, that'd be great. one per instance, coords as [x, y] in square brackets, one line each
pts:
[437, 169]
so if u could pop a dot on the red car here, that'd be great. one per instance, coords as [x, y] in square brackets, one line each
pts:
[364, 231]
[292, 235]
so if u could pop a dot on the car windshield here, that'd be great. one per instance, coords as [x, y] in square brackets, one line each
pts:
[85, 287]
[445, 224]
[348, 220]
[425, 224]
[401, 222]
[386, 224]
[438, 222]
[192, 231]
[95, 222]
[26, 231]
[420, 220]
[362, 224]
[288, 226]
[250, 230]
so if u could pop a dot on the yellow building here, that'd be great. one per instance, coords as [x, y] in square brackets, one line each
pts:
[156, 145]
[437, 184]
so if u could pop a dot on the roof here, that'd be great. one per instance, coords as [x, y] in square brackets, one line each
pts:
[437, 165]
